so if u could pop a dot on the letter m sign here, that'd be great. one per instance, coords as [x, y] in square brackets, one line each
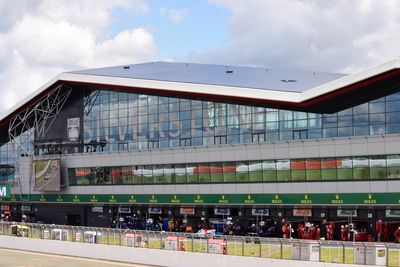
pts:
[4, 191]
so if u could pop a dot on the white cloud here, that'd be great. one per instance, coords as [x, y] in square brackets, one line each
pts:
[127, 43]
[48, 37]
[175, 15]
[336, 35]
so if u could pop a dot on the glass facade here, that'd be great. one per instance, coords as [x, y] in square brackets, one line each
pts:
[282, 170]
[7, 175]
[130, 121]
[126, 121]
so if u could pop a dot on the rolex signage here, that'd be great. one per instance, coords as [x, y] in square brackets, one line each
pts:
[391, 199]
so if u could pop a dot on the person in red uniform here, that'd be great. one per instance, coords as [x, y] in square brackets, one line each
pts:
[379, 230]
[397, 235]
[342, 232]
[299, 231]
[283, 229]
[311, 232]
[317, 232]
[385, 232]
[288, 230]
[329, 231]
[346, 233]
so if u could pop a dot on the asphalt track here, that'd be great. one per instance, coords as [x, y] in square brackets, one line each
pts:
[18, 258]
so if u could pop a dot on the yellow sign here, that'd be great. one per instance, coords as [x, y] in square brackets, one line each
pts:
[223, 200]
[337, 200]
[112, 199]
[153, 199]
[93, 199]
[175, 200]
[132, 199]
[370, 200]
[306, 200]
[76, 199]
[276, 200]
[198, 199]
[249, 200]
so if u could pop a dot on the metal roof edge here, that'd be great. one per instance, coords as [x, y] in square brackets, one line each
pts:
[349, 79]
[250, 93]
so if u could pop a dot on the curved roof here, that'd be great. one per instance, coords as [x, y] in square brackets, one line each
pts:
[301, 90]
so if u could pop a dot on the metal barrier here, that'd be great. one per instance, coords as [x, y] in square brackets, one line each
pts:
[379, 254]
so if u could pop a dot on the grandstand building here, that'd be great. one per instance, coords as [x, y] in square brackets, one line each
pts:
[196, 140]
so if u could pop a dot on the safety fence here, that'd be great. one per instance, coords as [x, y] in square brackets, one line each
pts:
[380, 254]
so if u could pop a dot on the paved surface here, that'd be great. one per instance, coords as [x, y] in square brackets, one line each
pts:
[17, 258]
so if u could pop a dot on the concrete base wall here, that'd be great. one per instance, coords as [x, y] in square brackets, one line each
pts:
[148, 256]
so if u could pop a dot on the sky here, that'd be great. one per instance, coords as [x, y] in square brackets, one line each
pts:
[42, 38]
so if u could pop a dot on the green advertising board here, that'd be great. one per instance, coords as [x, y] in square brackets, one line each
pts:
[366, 199]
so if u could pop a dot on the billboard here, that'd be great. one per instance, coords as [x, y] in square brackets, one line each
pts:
[124, 210]
[47, 175]
[187, 210]
[392, 213]
[260, 212]
[222, 211]
[346, 213]
[154, 210]
[302, 212]
[73, 129]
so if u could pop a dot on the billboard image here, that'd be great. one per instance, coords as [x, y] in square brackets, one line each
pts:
[47, 175]
[73, 129]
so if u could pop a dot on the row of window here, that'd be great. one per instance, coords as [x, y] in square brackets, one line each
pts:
[284, 170]
[146, 121]
[23, 145]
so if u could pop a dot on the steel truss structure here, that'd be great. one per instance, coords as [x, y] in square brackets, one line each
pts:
[89, 101]
[35, 120]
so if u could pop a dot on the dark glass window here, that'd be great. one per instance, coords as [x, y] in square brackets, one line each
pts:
[300, 134]
[361, 109]
[393, 106]
[376, 107]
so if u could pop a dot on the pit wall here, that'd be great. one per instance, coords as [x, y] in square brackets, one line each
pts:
[149, 256]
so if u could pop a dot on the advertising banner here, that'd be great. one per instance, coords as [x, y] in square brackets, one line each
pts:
[222, 211]
[155, 210]
[302, 212]
[124, 209]
[392, 213]
[187, 210]
[260, 212]
[97, 209]
[346, 213]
